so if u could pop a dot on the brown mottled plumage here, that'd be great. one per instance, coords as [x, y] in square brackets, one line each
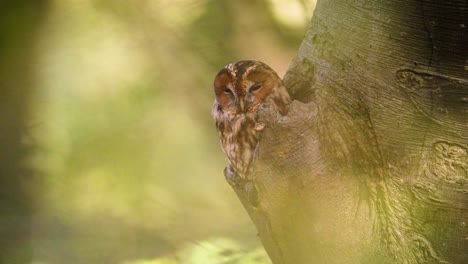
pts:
[240, 88]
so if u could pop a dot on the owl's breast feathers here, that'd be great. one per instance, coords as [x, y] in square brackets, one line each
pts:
[239, 136]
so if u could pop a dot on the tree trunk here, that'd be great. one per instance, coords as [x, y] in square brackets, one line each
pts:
[370, 165]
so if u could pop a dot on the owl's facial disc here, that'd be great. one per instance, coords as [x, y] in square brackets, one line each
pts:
[241, 87]
[224, 91]
[259, 83]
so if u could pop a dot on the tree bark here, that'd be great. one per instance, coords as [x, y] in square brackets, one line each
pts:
[370, 165]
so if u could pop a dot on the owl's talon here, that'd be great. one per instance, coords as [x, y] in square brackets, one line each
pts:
[232, 177]
[247, 186]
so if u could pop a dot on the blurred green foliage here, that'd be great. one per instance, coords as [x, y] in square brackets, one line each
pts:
[213, 251]
[126, 158]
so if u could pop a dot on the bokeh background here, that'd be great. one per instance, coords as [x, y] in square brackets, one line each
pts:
[125, 160]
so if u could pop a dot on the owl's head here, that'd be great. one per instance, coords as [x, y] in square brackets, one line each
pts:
[242, 86]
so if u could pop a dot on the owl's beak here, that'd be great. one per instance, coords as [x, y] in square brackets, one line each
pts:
[241, 104]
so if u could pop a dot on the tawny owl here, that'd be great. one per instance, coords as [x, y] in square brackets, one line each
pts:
[240, 88]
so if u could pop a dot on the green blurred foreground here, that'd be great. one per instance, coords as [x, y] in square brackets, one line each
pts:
[214, 251]
[125, 159]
